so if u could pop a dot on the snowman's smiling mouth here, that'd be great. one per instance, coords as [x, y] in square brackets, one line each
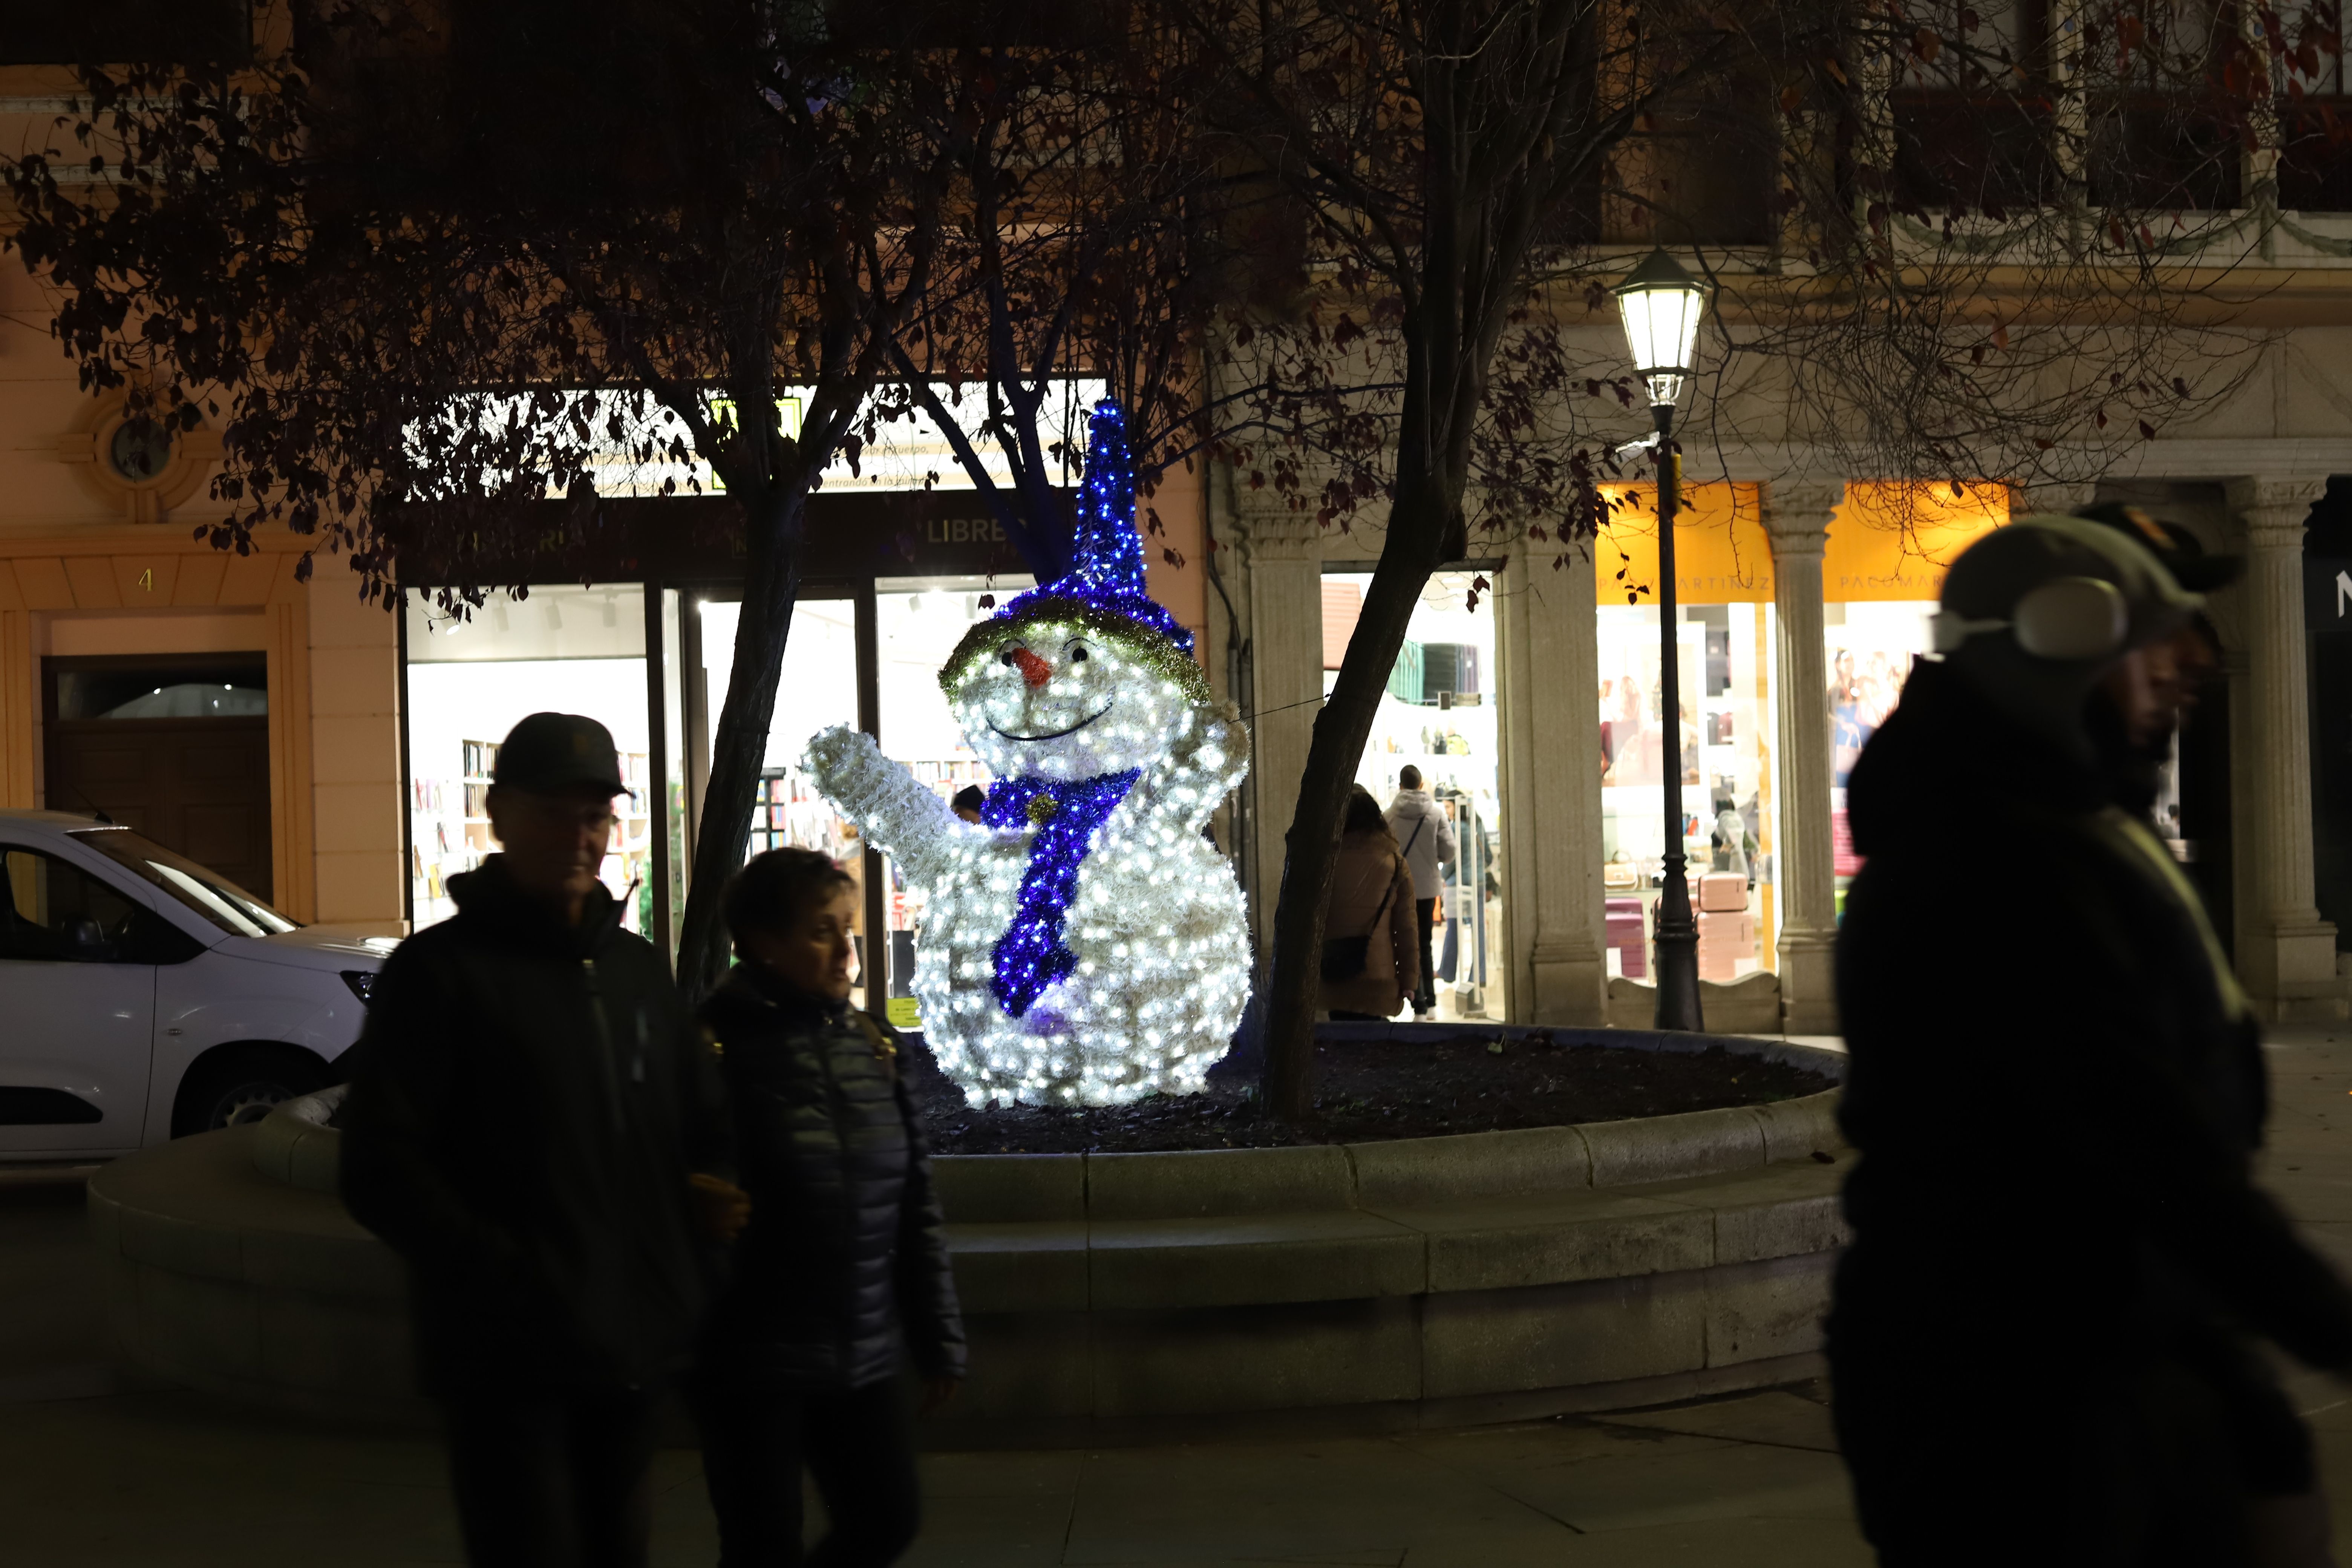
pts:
[1056, 734]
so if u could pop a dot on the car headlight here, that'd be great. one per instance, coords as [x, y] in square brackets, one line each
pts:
[361, 981]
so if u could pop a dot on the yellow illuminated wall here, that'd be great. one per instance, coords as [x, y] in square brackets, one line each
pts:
[1721, 553]
[1893, 541]
[1887, 542]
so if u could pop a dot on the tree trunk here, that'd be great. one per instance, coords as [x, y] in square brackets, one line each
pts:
[772, 582]
[1417, 524]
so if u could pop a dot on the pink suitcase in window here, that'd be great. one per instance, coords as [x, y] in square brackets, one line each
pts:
[1724, 939]
[1621, 926]
[1722, 892]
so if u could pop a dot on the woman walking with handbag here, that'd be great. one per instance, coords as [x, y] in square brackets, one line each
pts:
[1372, 955]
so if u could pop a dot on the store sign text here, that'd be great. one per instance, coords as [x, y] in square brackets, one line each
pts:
[964, 531]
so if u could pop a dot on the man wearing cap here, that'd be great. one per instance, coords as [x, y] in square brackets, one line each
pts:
[528, 1106]
[2042, 1342]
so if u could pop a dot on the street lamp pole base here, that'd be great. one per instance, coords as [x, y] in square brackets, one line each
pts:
[1677, 947]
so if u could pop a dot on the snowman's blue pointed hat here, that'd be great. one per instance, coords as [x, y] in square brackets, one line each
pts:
[1107, 575]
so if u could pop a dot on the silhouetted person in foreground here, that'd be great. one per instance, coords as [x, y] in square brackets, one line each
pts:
[530, 1101]
[842, 1275]
[2041, 1344]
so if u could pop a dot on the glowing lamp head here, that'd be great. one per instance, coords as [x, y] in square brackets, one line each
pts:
[1662, 304]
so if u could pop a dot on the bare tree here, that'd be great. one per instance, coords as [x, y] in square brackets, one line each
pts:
[1468, 175]
[1079, 250]
[429, 266]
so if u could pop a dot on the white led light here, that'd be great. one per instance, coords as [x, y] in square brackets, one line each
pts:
[1155, 921]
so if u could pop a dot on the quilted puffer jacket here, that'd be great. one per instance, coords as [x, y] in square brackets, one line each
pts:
[843, 1256]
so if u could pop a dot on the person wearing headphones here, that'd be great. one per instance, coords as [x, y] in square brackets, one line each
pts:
[2056, 1090]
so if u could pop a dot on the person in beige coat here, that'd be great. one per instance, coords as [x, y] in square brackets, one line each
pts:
[1371, 896]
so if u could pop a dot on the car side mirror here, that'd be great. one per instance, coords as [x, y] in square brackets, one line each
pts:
[86, 941]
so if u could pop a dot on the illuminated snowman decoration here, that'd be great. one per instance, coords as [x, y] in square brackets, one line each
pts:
[1084, 945]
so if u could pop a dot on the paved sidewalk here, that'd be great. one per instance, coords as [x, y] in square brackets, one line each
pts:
[94, 1475]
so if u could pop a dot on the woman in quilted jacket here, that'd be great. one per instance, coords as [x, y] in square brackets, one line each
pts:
[843, 1270]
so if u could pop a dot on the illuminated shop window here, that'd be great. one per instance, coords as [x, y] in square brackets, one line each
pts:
[918, 623]
[1441, 714]
[470, 680]
[1725, 640]
[1881, 574]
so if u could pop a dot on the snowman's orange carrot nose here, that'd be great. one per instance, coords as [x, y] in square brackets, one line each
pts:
[1034, 670]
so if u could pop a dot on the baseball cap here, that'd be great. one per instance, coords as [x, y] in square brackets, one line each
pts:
[2181, 552]
[558, 751]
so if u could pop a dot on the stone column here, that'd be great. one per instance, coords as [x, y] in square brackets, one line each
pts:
[2287, 954]
[1551, 787]
[1796, 517]
[1285, 629]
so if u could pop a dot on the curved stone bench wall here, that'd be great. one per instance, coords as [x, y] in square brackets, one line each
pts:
[1437, 1281]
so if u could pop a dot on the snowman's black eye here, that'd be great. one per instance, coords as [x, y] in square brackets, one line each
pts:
[1077, 651]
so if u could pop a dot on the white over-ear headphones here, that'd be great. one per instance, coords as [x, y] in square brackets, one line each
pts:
[2075, 619]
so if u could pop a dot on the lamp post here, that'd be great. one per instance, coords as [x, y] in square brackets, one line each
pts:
[1662, 305]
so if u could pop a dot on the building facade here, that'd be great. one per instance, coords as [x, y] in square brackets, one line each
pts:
[341, 769]
[1806, 592]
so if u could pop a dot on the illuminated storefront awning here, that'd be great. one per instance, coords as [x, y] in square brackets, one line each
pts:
[1885, 542]
[1893, 541]
[1721, 553]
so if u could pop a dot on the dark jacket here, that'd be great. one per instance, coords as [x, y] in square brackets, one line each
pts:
[2055, 1087]
[846, 1249]
[527, 1101]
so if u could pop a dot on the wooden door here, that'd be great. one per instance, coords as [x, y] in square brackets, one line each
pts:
[199, 786]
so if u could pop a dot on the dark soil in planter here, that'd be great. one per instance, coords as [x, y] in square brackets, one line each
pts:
[1366, 1091]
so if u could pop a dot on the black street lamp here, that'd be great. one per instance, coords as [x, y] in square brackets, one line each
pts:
[1662, 305]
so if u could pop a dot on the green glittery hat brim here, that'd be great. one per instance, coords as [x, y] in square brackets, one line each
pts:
[1147, 645]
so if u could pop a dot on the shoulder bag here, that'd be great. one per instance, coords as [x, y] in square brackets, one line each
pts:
[1345, 957]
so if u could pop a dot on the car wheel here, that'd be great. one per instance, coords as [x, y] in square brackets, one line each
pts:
[240, 1086]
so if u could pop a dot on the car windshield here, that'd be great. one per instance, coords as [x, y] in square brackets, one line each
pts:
[208, 893]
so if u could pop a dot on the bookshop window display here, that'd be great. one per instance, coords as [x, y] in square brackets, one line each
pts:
[1441, 715]
[918, 624]
[470, 680]
[817, 689]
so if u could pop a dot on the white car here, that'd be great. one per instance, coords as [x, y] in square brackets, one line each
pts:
[143, 998]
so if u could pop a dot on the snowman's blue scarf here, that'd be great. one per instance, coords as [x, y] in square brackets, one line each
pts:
[1030, 955]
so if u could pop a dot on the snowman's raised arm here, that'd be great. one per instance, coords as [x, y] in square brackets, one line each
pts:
[1202, 767]
[895, 810]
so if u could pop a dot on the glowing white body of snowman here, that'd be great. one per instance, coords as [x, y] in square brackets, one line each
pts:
[1086, 943]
